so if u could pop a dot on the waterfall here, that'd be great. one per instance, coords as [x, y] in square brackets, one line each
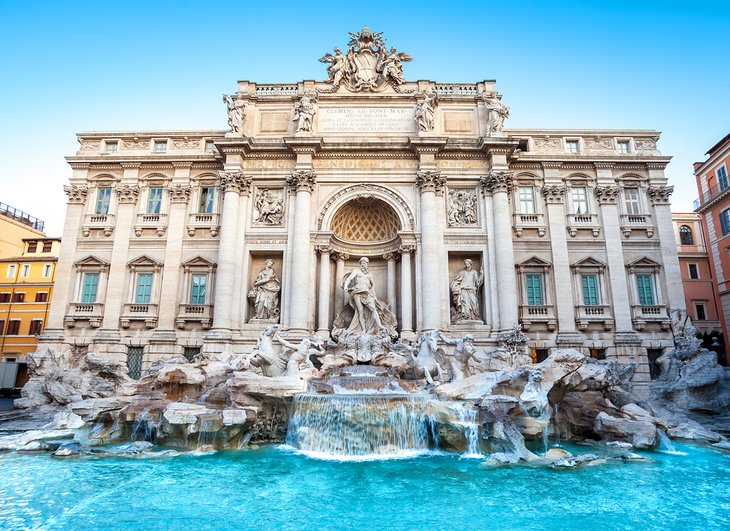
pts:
[359, 427]
[666, 446]
[144, 427]
[467, 418]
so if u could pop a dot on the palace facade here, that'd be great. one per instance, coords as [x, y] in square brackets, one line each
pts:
[190, 241]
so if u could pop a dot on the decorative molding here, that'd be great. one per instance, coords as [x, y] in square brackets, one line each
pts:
[76, 194]
[497, 181]
[554, 194]
[551, 164]
[302, 180]
[323, 249]
[659, 195]
[607, 195]
[137, 144]
[465, 239]
[604, 165]
[234, 181]
[179, 193]
[127, 193]
[430, 181]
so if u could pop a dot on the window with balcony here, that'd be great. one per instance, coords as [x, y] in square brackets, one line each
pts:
[645, 289]
[632, 202]
[198, 285]
[103, 199]
[589, 289]
[722, 181]
[87, 305]
[536, 306]
[154, 200]
[589, 284]
[534, 289]
[207, 197]
[89, 287]
[579, 200]
[685, 235]
[143, 291]
[198, 288]
[526, 199]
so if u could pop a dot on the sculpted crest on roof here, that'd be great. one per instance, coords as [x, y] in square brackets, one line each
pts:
[368, 65]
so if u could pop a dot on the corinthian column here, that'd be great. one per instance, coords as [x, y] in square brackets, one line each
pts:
[232, 184]
[430, 183]
[303, 182]
[392, 300]
[498, 184]
[323, 309]
[340, 295]
[406, 295]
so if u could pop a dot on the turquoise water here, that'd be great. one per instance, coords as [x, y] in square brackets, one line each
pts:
[272, 488]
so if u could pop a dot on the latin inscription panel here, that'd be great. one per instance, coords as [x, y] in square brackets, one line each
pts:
[366, 120]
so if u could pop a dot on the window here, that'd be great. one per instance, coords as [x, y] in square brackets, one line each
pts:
[725, 221]
[32, 247]
[198, 287]
[700, 314]
[36, 326]
[160, 146]
[572, 146]
[111, 147]
[645, 287]
[589, 284]
[190, 353]
[631, 200]
[533, 285]
[598, 353]
[25, 271]
[134, 362]
[207, 194]
[46, 270]
[579, 200]
[11, 270]
[694, 273]
[526, 198]
[2, 327]
[19, 297]
[144, 288]
[41, 296]
[685, 235]
[623, 146]
[89, 286]
[47, 246]
[103, 196]
[5, 297]
[154, 200]
[13, 328]
[210, 146]
[722, 177]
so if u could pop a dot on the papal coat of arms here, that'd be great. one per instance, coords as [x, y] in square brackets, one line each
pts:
[368, 65]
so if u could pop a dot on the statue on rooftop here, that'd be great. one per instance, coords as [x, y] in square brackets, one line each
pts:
[236, 113]
[304, 111]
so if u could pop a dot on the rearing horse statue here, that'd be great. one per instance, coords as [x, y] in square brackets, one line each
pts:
[425, 363]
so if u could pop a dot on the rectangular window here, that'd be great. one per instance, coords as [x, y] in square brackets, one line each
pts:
[526, 199]
[103, 196]
[693, 271]
[645, 286]
[154, 200]
[589, 284]
[144, 288]
[700, 311]
[4, 297]
[722, 177]
[111, 147]
[46, 270]
[47, 246]
[41, 296]
[32, 247]
[89, 287]
[210, 146]
[12, 268]
[572, 146]
[36, 326]
[579, 200]
[725, 221]
[13, 328]
[25, 271]
[623, 146]
[198, 287]
[19, 297]
[207, 193]
[631, 198]
[160, 146]
[533, 284]
[190, 353]
[2, 327]
[134, 362]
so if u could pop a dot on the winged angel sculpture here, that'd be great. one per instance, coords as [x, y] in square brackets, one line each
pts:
[367, 65]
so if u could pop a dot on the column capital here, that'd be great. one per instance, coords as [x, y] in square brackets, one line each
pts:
[430, 181]
[390, 256]
[323, 249]
[407, 249]
[76, 194]
[338, 255]
[659, 195]
[554, 194]
[127, 193]
[607, 195]
[497, 181]
[179, 193]
[235, 181]
[302, 180]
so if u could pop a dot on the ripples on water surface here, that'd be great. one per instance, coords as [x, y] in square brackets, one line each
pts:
[272, 488]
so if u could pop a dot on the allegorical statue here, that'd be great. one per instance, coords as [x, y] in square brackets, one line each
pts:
[464, 350]
[497, 113]
[424, 112]
[304, 111]
[236, 113]
[265, 293]
[338, 66]
[299, 360]
[465, 293]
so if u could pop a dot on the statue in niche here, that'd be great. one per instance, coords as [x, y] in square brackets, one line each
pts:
[365, 312]
[497, 113]
[304, 111]
[299, 360]
[424, 112]
[464, 293]
[338, 66]
[265, 294]
[462, 208]
[464, 350]
[269, 207]
[236, 113]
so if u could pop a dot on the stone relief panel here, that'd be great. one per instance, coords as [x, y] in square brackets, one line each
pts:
[461, 207]
[269, 206]
[263, 294]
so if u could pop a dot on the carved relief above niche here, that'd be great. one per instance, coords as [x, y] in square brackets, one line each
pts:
[461, 207]
[268, 206]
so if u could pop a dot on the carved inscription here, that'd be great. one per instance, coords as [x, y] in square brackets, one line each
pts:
[366, 120]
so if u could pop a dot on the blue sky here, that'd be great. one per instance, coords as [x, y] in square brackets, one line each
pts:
[100, 66]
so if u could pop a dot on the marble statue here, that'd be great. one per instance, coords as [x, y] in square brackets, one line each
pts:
[338, 66]
[236, 113]
[424, 112]
[266, 357]
[304, 111]
[497, 113]
[299, 360]
[425, 363]
[459, 361]
[465, 293]
[265, 293]
[361, 296]
[462, 208]
[390, 65]
[269, 207]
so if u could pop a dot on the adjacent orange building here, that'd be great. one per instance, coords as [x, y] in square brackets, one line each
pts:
[714, 207]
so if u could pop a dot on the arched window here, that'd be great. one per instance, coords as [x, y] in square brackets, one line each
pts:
[685, 235]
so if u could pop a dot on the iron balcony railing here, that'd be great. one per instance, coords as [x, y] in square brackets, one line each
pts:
[19, 215]
[711, 194]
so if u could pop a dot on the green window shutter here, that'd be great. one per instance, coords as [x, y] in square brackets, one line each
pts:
[646, 290]
[144, 288]
[590, 290]
[534, 290]
[90, 285]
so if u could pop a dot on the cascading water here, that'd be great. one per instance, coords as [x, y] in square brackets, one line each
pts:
[144, 427]
[467, 419]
